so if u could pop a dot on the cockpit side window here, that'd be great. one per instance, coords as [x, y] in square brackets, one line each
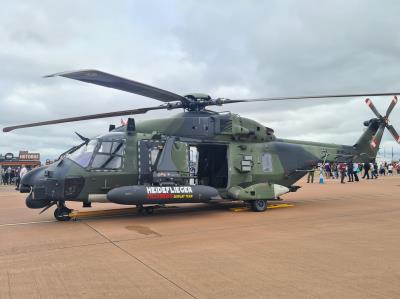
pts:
[109, 155]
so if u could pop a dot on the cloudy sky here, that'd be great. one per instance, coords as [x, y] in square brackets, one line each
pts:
[233, 49]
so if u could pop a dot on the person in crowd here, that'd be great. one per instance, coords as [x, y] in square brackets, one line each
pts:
[350, 172]
[17, 170]
[310, 176]
[366, 167]
[8, 175]
[335, 171]
[382, 169]
[374, 171]
[5, 177]
[18, 178]
[2, 173]
[328, 173]
[13, 175]
[342, 169]
[23, 171]
[398, 168]
[390, 169]
[356, 170]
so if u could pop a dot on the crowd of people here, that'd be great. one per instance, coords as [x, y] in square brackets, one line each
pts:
[352, 172]
[12, 176]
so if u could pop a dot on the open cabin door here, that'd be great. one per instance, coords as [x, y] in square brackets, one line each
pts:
[163, 161]
[212, 165]
[176, 162]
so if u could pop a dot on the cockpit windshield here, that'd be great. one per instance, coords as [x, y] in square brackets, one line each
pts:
[99, 154]
[84, 154]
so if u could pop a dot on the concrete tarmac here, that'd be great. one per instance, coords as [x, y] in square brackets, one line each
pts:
[337, 241]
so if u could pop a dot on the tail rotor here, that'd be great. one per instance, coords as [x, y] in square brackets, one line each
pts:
[383, 122]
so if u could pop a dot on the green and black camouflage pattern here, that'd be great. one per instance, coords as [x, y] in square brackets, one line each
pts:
[256, 159]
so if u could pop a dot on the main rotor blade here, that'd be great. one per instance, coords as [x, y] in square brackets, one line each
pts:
[391, 106]
[112, 81]
[311, 97]
[392, 131]
[84, 117]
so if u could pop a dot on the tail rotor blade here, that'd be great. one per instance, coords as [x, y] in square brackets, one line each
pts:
[376, 140]
[394, 133]
[391, 106]
[372, 106]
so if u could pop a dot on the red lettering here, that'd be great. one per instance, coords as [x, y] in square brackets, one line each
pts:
[159, 196]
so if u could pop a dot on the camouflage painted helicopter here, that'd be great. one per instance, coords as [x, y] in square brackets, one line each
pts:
[196, 156]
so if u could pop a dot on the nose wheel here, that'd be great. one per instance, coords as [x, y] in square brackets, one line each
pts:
[61, 213]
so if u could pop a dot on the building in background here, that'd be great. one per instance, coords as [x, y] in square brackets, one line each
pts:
[30, 160]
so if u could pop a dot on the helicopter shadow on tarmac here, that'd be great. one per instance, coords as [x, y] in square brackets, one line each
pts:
[171, 212]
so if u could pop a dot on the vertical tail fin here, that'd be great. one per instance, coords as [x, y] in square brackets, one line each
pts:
[368, 143]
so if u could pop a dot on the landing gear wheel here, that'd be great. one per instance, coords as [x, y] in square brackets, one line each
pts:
[61, 213]
[259, 205]
[87, 205]
[149, 210]
[139, 209]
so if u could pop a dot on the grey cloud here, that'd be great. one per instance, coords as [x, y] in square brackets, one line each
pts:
[236, 49]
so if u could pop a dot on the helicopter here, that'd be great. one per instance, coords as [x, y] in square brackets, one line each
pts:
[196, 156]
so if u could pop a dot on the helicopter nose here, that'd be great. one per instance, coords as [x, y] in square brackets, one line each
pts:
[50, 184]
[31, 183]
[43, 191]
[31, 178]
[33, 203]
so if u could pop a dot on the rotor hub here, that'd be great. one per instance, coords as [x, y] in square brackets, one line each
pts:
[197, 101]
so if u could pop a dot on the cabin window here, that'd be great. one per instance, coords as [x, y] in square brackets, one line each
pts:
[109, 155]
[154, 153]
[266, 161]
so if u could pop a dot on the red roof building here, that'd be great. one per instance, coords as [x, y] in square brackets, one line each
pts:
[30, 160]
